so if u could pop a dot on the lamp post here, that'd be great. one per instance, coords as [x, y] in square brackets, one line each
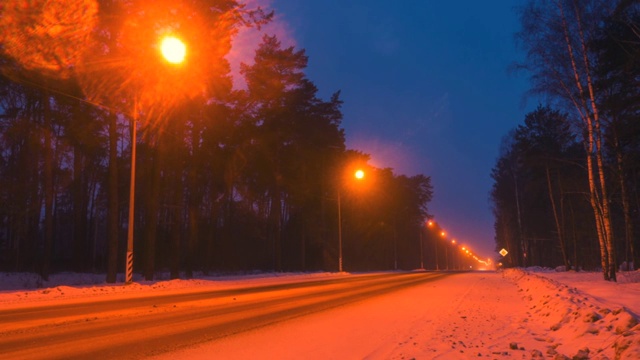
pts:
[430, 224]
[453, 254]
[421, 251]
[339, 234]
[174, 51]
[132, 189]
[446, 254]
[359, 175]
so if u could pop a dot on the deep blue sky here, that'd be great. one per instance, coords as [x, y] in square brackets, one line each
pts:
[426, 89]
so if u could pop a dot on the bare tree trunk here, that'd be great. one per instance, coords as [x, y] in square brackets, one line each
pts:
[303, 249]
[48, 188]
[588, 111]
[606, 220]
[626, 208]
[194, 200]
[176, 225]
[210, 235]
[275, 226]
[559, 228]
[192, 241]
[575, 237]
[634, 255]
[523, 247]
[598, 218]
[112, 205]
[153, 208]
[604, 199]
[79, 211]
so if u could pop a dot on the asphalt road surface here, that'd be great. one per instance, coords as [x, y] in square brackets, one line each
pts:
[138, 327]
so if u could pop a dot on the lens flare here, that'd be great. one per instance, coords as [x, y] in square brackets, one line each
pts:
[138, 62]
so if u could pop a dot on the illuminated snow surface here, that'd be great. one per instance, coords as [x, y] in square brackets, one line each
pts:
[512, 314]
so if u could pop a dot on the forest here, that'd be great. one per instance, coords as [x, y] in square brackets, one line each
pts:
[228, 178]
[566, 180]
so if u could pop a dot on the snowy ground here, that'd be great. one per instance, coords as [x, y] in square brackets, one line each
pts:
[521, 314]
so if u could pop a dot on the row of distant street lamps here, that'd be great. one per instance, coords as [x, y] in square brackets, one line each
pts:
[464, 250]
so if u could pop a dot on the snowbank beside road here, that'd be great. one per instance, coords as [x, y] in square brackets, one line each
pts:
[623, 293]
[588, 317]
[23, 288]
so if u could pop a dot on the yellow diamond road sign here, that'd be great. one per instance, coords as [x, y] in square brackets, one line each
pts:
[503, 252]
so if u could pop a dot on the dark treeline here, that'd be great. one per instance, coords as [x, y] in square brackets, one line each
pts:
[566, 181]
[227, 179]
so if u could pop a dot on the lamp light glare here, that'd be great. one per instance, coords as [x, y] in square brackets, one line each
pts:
[173, 49]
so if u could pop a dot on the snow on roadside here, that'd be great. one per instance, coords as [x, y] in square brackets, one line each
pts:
[581, 324]
[18, 289]
[575, 315]
[623, 293]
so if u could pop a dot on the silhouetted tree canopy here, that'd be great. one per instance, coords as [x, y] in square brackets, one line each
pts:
[227, 179]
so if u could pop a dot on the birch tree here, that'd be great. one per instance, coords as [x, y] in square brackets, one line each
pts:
[557, 37]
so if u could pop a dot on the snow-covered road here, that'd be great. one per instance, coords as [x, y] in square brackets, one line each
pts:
[494, 315]
[138, 326]
[503, 315]
[464, 316]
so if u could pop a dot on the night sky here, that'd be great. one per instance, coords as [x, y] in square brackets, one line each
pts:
[426, 89]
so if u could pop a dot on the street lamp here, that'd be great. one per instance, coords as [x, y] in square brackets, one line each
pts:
[431, 224]
[174, 51]
[359, 175]
[446, 250]
[421, 251]
[453, 254]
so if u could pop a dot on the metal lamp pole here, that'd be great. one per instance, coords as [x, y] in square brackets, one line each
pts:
[339, 234]
[421, 252]
[174, 51]
[359, 174]
[132, 189]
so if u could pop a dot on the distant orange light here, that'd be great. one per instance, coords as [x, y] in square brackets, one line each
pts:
[359, 174]
[429, 223]
[443, 234]
[453, 241]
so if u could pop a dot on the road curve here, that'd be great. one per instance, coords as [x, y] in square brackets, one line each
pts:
[143, 326]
